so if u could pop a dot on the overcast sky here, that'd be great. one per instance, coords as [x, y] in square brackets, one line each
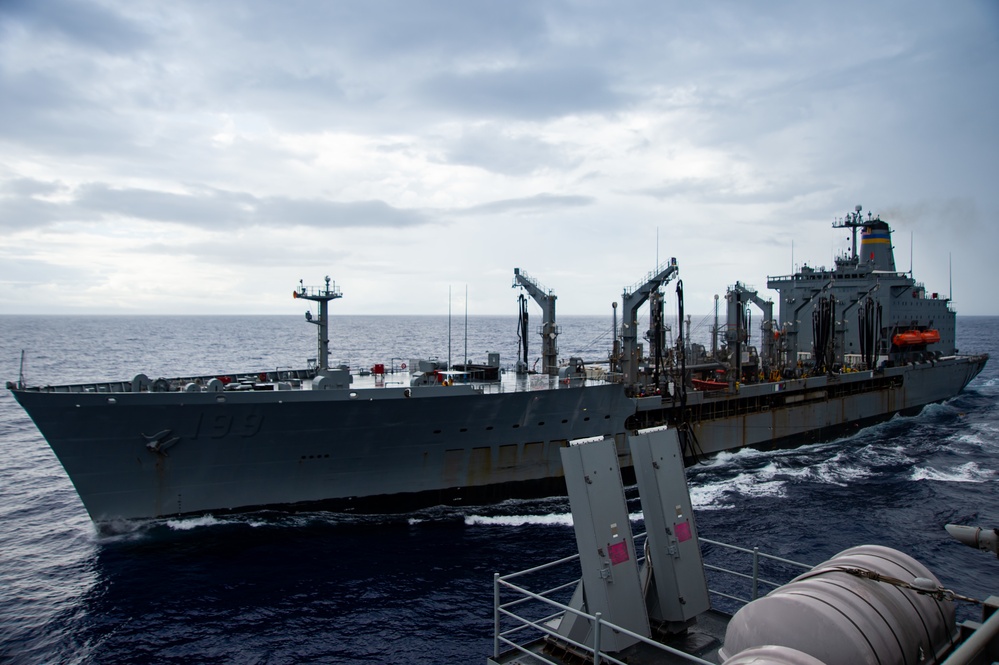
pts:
[203, 157]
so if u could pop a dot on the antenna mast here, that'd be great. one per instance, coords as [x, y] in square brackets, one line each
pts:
[20, 373]
[449, 327]
[852, 221]
[466, 325]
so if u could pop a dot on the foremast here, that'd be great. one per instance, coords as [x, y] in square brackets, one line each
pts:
[323, 296]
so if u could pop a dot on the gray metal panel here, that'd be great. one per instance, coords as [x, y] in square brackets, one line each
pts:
[682, 591]
[606, 548]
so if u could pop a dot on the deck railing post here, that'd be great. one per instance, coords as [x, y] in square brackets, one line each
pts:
[756, 571]
[496, 615]
[596, 639]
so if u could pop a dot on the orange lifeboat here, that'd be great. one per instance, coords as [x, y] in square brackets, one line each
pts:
[930, 336]
[707, 385]
[908, 338]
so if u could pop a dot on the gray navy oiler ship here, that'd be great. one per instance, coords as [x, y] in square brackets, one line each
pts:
[850, 346]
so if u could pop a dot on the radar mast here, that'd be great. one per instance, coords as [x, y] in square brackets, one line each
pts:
[321, 295]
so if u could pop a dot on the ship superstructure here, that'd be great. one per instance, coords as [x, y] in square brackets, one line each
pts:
[848, 346]
[862, 311]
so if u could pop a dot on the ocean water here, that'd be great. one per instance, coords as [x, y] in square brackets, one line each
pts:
[324, 587]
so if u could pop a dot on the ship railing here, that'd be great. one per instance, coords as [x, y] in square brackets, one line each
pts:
[330, 290]
[177, 383]
[523, 618]
[533, 282]
[752, 578]
[661, 268]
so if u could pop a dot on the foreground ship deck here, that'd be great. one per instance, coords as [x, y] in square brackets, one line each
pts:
[645, 600]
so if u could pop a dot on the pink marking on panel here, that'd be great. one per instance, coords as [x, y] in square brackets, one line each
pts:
[682, 531]
[618, 552]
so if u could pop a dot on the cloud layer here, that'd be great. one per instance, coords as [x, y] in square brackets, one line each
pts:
[401, 147]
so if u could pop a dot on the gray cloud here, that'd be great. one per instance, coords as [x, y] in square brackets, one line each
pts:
[294, 252]
[308, 65]
[402, 28]
[21, 274]
[491, 149]
[683, 188]
[528, 205]
[535, 92]
[25, 212]
[44, 111]
[205, 208]
[724, 191]
[85, 24]
[27, 187]
[252, 113]
[279, 210]
[302, 66]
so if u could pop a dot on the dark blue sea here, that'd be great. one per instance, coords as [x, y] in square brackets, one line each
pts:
[324, 587]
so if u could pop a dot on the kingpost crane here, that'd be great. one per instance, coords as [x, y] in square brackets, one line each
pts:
[736, 335]
[549, 331]
[633, 298]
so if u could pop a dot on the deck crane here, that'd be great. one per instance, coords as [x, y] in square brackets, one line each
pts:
[737, 334]
[549, 330]
[633, 298]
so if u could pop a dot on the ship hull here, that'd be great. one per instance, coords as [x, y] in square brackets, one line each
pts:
[149, 455]
[801, 411]
[142, 455]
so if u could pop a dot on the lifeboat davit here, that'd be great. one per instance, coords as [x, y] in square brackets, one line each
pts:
[930, 336]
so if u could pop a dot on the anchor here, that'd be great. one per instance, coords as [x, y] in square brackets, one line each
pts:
[158, 443]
